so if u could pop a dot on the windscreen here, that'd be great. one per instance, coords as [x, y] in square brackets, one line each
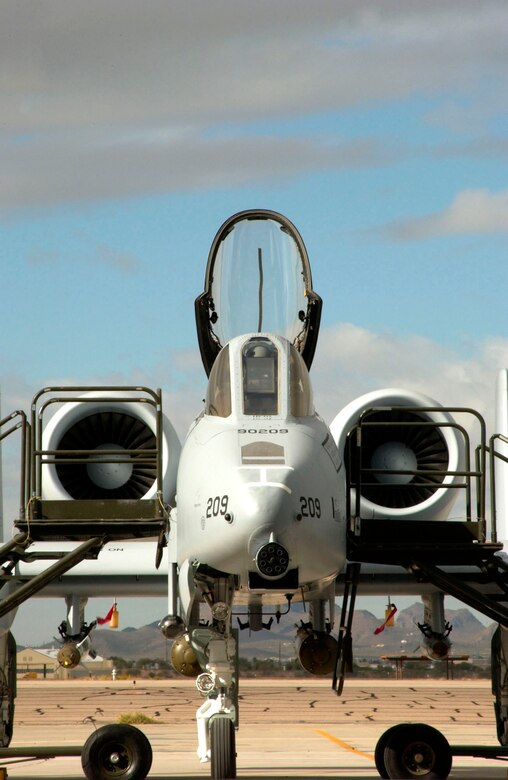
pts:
[258, 283]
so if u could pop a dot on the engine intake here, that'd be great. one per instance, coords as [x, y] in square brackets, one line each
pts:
[398, 441]
[400, 451]
[108, 431]
[88, 438]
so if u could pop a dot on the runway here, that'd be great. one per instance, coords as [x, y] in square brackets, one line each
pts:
[293, 728]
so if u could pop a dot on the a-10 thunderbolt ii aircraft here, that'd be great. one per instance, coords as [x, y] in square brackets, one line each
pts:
[263, 506]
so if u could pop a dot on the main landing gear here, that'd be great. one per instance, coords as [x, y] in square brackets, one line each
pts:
[116, 752]
[413, 750]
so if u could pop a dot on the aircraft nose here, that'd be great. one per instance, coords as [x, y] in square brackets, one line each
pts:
[267, 511]
[266, 502]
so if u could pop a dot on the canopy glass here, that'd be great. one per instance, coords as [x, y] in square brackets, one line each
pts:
[258, 280]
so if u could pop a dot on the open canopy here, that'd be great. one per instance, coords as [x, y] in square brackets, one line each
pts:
[258, 280]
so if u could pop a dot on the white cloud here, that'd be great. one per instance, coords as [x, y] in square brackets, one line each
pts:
[121, 261]
[102, 255]
[52, 170]
[351, 361]
[114, 98]
[469, 114]
[120, 60]
[471, 212]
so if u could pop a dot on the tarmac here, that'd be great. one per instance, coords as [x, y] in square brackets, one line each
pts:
[296, 728]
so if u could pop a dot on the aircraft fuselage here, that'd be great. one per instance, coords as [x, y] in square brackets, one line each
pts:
[260, 496]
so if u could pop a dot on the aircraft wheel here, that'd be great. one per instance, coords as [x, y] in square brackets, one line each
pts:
[417, 750]
[116, 752]
[7, 689]
[379, 753]
[222, 749]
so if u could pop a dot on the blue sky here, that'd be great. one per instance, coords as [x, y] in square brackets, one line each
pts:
[130, 131]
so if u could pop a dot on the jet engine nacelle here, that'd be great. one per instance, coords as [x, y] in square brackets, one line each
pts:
[401, 439]
[115, 424]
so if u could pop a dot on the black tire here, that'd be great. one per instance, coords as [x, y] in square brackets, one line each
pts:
[8, 691]
[415, 750]
[116, 752]
[222, 749]
[379, 753]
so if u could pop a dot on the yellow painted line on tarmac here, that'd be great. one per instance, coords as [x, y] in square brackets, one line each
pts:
[344, 745]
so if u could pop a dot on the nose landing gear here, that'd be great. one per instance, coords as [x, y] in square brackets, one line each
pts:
[222, 747]
[216, 648]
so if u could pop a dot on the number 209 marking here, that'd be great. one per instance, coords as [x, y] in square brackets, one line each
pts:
[217, 505]
[310, 507]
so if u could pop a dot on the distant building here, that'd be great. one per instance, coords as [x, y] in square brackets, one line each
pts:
[39, 662]
[43, 663]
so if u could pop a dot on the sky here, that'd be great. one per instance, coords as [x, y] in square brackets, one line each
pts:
[130, 131]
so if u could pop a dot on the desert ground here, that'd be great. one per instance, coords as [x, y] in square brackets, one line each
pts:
[295, 728]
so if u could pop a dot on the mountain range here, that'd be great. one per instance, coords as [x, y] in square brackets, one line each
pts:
[469, 637]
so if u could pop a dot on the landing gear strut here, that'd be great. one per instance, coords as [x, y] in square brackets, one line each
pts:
[216, 648]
